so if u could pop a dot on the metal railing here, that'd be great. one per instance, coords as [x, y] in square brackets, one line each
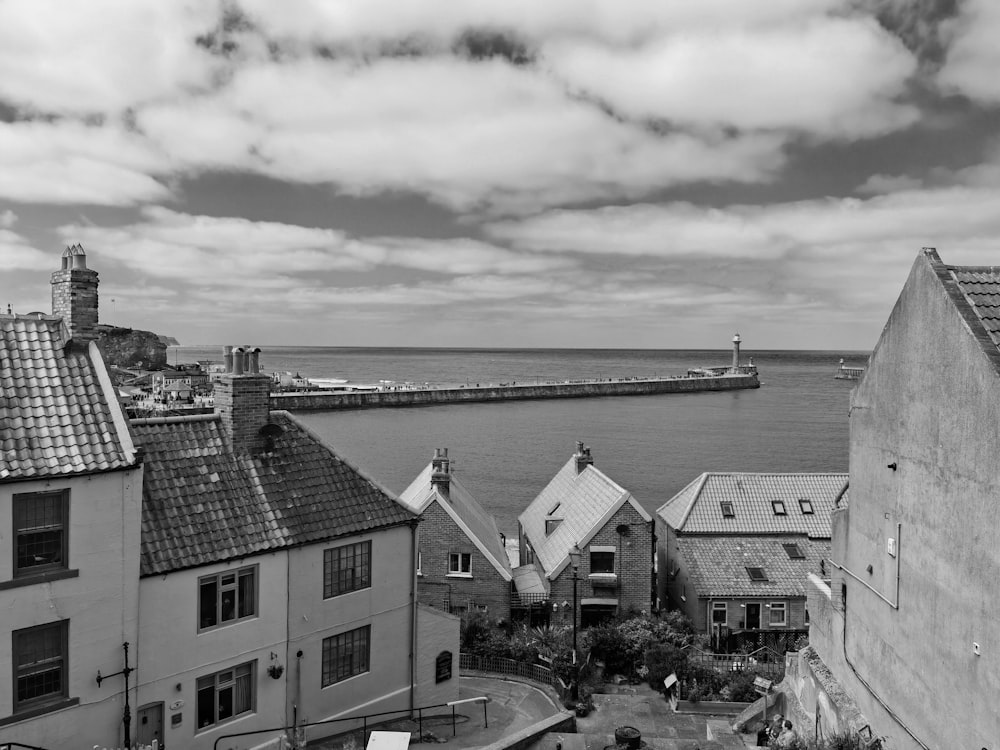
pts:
[18, 746]
[762, 661]
[509, 667]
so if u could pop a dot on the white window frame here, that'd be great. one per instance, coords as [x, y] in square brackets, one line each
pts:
[720, 607]
[227, 679]
[234, 586]
[455, 564]
[778, 607]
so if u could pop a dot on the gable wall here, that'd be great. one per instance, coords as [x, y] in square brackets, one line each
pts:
[930, 403]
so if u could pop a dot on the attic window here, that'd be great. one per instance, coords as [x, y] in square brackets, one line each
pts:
[778, 506]
[794, 553]
[757, 574]
[554, 509]
[727, 509]
[806, 506]
[551, 524]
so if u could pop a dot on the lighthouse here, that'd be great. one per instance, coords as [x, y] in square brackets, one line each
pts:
[736, 352]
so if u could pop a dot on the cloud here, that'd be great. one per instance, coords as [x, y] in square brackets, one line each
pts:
[7, 219]
[836, 77]
[884, 183]
[973, 56]
[16, 253]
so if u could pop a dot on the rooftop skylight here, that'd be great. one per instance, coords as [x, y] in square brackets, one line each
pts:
[757, 574]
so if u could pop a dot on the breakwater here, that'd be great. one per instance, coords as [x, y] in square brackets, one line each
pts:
[374, 399]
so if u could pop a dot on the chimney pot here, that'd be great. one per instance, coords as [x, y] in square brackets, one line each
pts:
[583, 457]
[227, 356]
[238, 361]
[441, 471]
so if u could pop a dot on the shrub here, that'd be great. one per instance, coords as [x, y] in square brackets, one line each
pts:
[741, 689]
[607, 643]
[661, 660]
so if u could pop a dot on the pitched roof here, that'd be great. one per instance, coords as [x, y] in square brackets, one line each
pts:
[701, 506]
[203, 504]
[717, 566]
[582, 502]
[58, 408]
[479, 526]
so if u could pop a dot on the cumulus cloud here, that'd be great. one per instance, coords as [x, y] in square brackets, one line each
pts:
[973, 56]
[885, 183]
[16, 253]
[7, 219]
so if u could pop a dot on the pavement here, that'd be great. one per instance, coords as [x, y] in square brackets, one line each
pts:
[515, 706]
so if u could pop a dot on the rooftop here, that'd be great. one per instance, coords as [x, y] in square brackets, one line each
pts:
[749, 503]
[203, 504]
[58, 409]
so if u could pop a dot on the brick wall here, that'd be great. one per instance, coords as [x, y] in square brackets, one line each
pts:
[439, 536]
[633, 566]
[242, 403]
[74, 299]
[795, 612]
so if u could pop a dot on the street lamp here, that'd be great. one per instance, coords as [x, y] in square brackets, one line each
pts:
[574, 560]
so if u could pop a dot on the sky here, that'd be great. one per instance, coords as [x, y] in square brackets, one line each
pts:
[498, 173]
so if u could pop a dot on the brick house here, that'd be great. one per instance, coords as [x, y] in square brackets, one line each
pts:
[70, 496]
[462, 563]
[736, 550]
[583, 507]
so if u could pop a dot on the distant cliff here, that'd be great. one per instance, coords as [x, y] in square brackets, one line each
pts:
[127, 347]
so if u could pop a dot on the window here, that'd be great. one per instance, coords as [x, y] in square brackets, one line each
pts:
[442, 667]
[346, 655]
[719, 613]
[757, 574]
[460, 564]
[727, 509]
[227, 597]
[347, 568]
[794, 552]
[778, 506]
[225, 694]
[551, 524]
[40, 665]
[420, 563]
[40, 533]
[602, 561]
[778, 614]
[806, 506]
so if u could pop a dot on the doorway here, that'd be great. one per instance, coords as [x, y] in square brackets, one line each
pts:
[753, 616]
[150, 725]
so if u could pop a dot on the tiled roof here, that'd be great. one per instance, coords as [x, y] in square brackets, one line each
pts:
[981, 288]
[586, 501]
[479, 526]
[202, 504]
[58, 410]
[717, 566]
[701, 506]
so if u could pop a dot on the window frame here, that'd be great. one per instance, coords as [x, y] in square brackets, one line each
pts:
[18, 670]
[221, 588]
[251, 667]
[777, 607]
[330, 673]
[722, 607]
[459, 557]
[778, 507]
[727, 508]
[21, 500]
[361, 554]
[806, 506]
[755, 577]
[794, 551]
[598, 570]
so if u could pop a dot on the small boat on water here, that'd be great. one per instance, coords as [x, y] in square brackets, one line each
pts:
[848, 373]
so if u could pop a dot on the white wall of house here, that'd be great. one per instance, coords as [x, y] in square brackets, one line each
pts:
[100, 605]
[175, 653]
[384, 607]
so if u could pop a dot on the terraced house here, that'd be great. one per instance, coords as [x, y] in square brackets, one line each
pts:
[70, 490]
[736, 551]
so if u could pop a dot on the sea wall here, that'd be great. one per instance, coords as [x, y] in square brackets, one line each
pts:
[335, 400]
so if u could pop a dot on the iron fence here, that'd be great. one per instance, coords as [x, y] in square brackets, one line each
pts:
[763, 661]
[510, 667]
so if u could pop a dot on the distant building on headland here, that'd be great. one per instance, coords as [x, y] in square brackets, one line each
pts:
[908, 624]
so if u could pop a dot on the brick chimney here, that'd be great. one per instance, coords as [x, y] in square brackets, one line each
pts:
[441, 472]
[242, 400]
[74, 295]
[583, 457]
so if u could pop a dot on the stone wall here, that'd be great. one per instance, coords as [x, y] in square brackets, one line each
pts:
[327, 401]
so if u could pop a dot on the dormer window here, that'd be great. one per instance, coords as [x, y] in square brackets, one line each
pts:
[727, 509]
[806, 506]
[551, 524]
[778, 506]
[757, 574]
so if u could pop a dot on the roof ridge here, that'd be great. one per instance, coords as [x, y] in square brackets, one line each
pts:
[179, 419]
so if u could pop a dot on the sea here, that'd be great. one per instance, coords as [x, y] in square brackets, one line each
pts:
[505, 453]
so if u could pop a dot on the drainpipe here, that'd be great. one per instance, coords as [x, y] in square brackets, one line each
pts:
[413, 611]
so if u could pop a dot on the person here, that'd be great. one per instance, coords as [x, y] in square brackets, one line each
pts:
[788, 738]
[763, 735]
[774, 731]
